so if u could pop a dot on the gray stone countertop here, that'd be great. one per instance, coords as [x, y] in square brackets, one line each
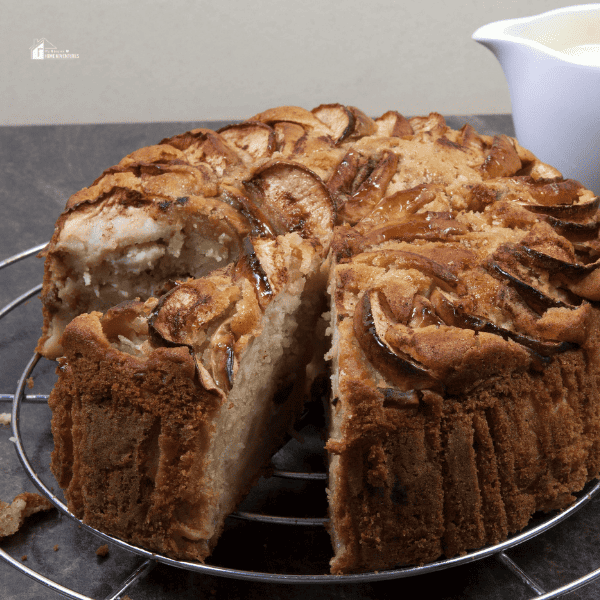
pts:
[40, 167]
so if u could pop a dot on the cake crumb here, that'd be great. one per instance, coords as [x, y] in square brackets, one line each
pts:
[55, 548]
[4, 418]
[102, 551]
[24, 557]
[13, 515]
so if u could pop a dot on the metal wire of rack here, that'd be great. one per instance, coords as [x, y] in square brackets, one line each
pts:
[150, 560]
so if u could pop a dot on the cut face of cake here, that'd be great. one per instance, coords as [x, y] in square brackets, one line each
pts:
[154, 219]
[462, 279]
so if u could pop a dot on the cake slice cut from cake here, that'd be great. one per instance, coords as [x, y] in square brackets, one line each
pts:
[167, 411]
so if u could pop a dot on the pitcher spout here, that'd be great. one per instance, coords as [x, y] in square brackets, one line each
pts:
[499, 37]
[491, 36]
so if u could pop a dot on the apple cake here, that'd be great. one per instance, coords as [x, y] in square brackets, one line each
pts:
[446, 279]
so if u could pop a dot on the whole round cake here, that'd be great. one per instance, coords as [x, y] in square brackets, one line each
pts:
[446, 280]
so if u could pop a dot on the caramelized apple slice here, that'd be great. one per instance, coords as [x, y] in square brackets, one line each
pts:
[458, 357]
[534, 298]
[293, 114]
[295, 198]
[400, 203]
[162, 170]
[551, 191]
[393, 124]
[257, 139]
[434, 124]
[575, 212]
[398, 368]
[183, 141]
[289, 137]
[581, 280]
[350, 174]
[425, 226]
[260, 224]
[469, 138]
[479, 195]
[249, 267]
[343, 181]
[423, 313]
[372, 190]
[158, 154]
[190, 307]
[175, 180]
[338, 118]
[223, 362]
[502, 159]
[206, 146]
[401, 259]
[574, 232]
[452, 314]
[552, 264]
[183, 312]
[363, 125]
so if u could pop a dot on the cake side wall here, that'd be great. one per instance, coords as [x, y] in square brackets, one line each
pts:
[138, 454]
[458, 471]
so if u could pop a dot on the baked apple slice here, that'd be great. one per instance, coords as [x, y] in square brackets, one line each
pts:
[393, 124]
[426, 226]
[338, 118]
[403, 202]
[294, 114]
[371, 191]
[257, 139]
[206, 146]
[294, 198]
[452, 314]
[551, 191]
[502, 159]
[573, 212]
[399, 368]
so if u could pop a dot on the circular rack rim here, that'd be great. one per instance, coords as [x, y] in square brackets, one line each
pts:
[280, 578]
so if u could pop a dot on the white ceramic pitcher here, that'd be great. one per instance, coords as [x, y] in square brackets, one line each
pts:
[552, 64]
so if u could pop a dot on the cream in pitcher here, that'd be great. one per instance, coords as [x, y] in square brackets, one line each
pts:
[552, 65]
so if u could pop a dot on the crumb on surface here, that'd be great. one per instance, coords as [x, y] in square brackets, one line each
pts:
[30, 383]
[13, 515]
[102, 551]
[55, 548]
[24, 557]
[4, 418]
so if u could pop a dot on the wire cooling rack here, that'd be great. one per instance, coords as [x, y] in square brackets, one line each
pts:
[148, 561]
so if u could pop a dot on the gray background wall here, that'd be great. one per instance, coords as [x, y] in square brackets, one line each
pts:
[182, 60]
